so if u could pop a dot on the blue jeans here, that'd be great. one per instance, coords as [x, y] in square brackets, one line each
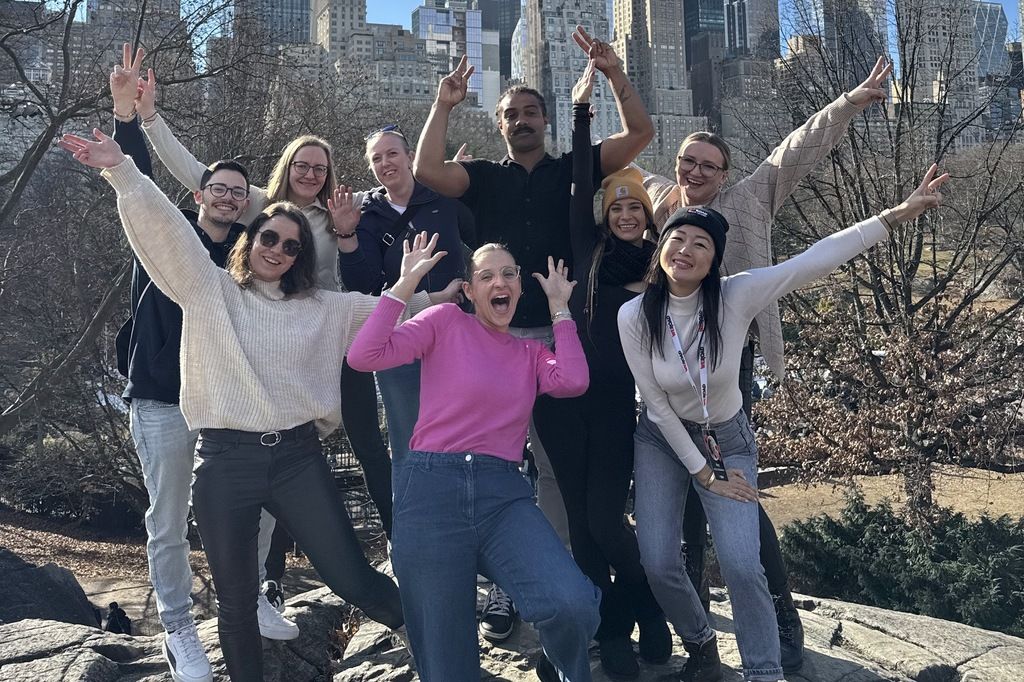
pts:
[662, 483]
[166, 449]
[460, 514]
[400, 392]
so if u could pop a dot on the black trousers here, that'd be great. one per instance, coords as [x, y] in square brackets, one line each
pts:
[359, 416]
[590, 443]
[234, 477]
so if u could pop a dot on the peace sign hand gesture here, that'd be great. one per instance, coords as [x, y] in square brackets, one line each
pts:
[453, 87]
[926, 196]
[873, 88]
[585, 85]
[124, 81]
[601, 53]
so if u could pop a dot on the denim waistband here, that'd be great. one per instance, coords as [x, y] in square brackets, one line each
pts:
[428, 460]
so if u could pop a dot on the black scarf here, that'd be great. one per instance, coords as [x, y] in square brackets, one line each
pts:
[624, 263]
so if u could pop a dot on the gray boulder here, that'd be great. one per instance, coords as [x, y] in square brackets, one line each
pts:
[46, 592]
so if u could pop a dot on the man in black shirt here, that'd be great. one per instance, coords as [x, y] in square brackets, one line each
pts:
[522, 201]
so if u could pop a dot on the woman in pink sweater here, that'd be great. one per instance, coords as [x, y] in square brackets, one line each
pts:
[461, 505]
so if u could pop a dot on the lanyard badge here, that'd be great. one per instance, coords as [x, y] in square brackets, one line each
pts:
[714, 452]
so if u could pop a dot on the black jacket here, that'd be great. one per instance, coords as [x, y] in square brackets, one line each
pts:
[375, 266]
[149, 342]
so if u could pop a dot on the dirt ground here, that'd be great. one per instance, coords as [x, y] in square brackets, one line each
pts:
[92, 555]
[971, 491]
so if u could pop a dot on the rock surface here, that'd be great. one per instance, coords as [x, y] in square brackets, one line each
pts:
[845, 643]
[48, 592]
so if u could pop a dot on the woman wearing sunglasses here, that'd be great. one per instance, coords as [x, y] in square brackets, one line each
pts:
[303, 175]
[370, 240]
[461, 505]
[262, 349]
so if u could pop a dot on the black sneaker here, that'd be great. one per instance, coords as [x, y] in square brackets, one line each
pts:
[791, 633]
[272, 591]
[499, 616]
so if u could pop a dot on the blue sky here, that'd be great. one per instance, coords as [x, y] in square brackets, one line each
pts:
[400, 12]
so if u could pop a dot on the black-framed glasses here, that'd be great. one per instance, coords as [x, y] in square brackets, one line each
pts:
[269, 239]
[219, 189]
[509, 274]
[303, 168]
[687, 164]
[389, 128]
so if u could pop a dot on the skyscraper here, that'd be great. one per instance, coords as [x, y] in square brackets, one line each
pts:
[700, 17]
[552, 63]
[650, 41]
[853, 33]
[283, 21]
[752, 28]
[502, 16]
[990, 28]
[332, 24]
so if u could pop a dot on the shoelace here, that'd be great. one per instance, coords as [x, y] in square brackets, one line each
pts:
[193, 648]
[500, 604]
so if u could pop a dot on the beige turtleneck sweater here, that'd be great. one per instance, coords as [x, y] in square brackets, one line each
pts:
[251, 359]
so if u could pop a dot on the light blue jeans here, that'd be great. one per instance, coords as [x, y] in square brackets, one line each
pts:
[166, 449]
[662, 483]
[459, 514]
[400, 392]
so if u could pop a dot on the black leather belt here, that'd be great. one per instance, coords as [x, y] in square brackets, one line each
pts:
[266, 438]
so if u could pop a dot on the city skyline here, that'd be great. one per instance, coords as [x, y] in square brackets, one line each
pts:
[400, 12]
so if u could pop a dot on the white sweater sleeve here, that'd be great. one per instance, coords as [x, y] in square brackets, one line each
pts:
[754, 289]
[161, 237]
[658, 407]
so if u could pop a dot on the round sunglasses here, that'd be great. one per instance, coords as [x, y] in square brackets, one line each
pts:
[269, 239]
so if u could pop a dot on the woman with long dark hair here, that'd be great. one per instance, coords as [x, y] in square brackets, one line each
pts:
[591, 442]
[262, 349]
[683, 340]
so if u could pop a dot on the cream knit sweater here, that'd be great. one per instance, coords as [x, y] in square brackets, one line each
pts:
[251, 359]
[750, 206]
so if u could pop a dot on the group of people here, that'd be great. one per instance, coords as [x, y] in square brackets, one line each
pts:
[488, 304]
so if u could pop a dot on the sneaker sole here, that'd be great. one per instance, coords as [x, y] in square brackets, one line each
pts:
[492, 636]
[280, 635]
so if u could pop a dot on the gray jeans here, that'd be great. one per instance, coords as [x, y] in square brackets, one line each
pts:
[662, 483]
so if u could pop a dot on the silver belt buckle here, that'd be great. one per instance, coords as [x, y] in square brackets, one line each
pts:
[275, 435]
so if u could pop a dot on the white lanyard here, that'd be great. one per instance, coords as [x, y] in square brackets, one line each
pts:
[702, 392]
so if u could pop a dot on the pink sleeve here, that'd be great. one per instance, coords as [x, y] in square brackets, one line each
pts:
[563, 373]
[381, 345]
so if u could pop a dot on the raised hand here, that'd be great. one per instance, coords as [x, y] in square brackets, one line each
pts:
[585, 85]
[418, 257]
[601, 53]
[556, 285]
[873, 88]
[926, 196]
[453, 87]
[344, 215]
[145, 102]
[104, 153]
[124, 81]
[462, 154]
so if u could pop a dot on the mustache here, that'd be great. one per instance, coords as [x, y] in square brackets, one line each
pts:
[523, 129]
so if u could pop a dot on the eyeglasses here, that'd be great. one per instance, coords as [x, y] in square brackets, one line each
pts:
[706, 169]
[390, 128]
[302, 168]
[509, 274]
[219, 189]
[269, 239]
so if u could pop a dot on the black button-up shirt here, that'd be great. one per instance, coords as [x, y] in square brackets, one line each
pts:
[529, 213]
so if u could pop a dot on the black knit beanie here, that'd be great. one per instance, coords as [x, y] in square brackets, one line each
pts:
[707, 219]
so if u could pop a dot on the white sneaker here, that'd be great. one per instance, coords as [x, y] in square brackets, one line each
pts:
[186, 657]
[272, 624]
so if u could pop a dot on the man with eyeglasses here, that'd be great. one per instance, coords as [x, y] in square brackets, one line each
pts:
[522, 201]
[148, 347]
